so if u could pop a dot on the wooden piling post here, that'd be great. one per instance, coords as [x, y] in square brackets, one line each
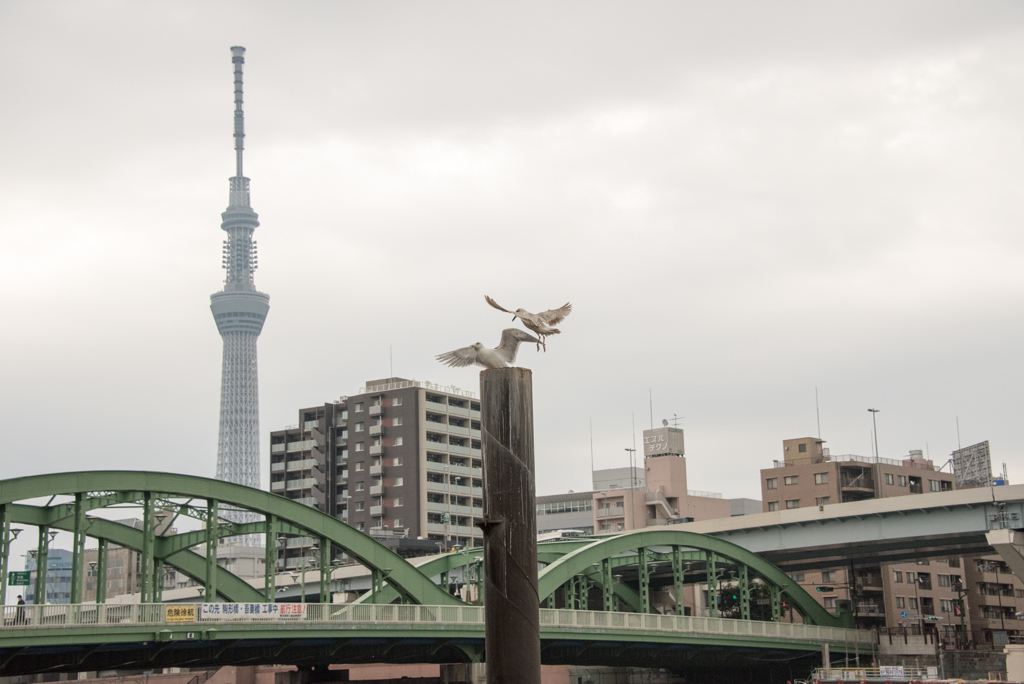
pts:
[512, 610]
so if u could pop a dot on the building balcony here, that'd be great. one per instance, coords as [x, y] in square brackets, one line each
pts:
[376, 449]
[375, 409]
[434, 406]
[375, 429]
[376, 470]
[612, 512]
[301, 483]
[277, 448]
[460, 450]
[456, 411]
[276, 486]
[376, 511]
[376, 490]
[276, 467]
[456, 430]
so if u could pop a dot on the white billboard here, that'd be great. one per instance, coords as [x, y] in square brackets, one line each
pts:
[663, 441]
[973, 466]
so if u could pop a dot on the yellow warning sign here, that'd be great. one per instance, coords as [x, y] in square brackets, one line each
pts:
[180, 614]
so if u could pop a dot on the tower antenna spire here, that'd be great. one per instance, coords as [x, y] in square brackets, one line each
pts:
[238, 59]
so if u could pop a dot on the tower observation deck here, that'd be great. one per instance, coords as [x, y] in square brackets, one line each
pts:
[239, 311]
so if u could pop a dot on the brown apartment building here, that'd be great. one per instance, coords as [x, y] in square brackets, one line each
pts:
[882, 596]
[399, 461]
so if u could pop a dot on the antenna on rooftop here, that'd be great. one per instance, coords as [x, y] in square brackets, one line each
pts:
[675, 420]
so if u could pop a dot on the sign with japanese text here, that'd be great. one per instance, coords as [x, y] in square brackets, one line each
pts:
[663, 441]
[243, 611]
[18, 578]
[182, 613]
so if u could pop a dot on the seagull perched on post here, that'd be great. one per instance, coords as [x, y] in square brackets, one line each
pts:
[540, 323]
[501, 356]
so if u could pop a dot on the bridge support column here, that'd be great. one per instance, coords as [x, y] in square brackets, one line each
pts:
[158, 581]
[325, 570]
[678, 579]
[644, 576]
[212, 529]
[710, 565]
[607, 585]
[744, 592]
[148, 532]
[42, 551]
[5, 551]
[270, 559]
[78, 551]
[512, 608]
[101, 572]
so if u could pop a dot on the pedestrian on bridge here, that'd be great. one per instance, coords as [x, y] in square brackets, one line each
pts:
[19, 618]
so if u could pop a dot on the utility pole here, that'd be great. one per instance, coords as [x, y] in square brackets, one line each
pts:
[878, 467]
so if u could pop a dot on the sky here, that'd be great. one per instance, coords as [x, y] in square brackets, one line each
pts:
[748, 204]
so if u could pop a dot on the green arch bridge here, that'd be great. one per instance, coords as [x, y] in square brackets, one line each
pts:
[608, 600]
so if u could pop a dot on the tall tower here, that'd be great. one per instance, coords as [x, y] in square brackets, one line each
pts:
[239, 311]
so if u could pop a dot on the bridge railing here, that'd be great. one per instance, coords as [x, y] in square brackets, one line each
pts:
[63, 616]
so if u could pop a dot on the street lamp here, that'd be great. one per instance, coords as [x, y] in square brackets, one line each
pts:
[632, 484]
[878, 471]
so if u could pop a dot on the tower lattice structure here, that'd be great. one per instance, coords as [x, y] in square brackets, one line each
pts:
[239, 311]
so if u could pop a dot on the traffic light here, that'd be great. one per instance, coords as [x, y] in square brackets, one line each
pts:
[824, 588]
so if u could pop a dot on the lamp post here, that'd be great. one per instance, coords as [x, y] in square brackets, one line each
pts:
[878, 471]
[632, 484]
[999, 597]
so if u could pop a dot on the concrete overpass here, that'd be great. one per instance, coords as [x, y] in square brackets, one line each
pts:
[866, 533]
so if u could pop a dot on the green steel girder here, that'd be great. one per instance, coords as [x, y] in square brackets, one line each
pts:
[189, 563]
[414, 586]
[562, 570]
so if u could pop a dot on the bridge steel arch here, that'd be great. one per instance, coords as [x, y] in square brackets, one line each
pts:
[92, 490]
[602, 552]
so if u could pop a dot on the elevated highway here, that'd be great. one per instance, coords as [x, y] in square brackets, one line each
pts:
[866, 533]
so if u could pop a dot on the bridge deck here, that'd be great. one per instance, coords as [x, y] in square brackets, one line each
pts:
[87, 637]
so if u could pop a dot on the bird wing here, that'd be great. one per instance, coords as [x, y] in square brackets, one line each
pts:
[457, 358]
[555, 316]
[510, 339]
[496, 305]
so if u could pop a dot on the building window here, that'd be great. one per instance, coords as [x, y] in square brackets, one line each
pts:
[359, 467]
[822, 500]
[830, 602]
[359, 505]
[797, 576]
[773, 506]
[396, 461]
[359, 486]
[934, 485]
[901, 602]
[913, 602]
[359, 446]
[943, 580]
[771, 483]
[903, 480]
[397, 401]
[398, 502]
[397, 523]
[897, 576]
[792, 503]
[791, 479]
[399, 481]
[802, 448]
[889, 479]
[911, 577]
[359, 427]
[397, 441]
[396, 421]
[820, 478]
[359, 526]
[358, 407]
[828, 577]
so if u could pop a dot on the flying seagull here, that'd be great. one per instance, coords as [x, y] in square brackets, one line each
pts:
[501, 356]
[540, 323]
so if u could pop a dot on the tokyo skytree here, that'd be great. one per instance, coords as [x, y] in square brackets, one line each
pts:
[239, 311]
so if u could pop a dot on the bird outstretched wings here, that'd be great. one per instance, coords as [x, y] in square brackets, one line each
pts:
[501, 356]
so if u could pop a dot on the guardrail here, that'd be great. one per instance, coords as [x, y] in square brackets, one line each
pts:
[860, 674]
[63, 616]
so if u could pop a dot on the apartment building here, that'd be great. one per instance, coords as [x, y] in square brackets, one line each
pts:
[913, 594]
[635, 497]
[400, 461]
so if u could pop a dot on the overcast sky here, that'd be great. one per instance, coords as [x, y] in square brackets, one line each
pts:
[743, 202]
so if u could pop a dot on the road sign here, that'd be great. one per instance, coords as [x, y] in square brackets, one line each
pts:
[903, 613]
[18, 578]
[906, 624]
